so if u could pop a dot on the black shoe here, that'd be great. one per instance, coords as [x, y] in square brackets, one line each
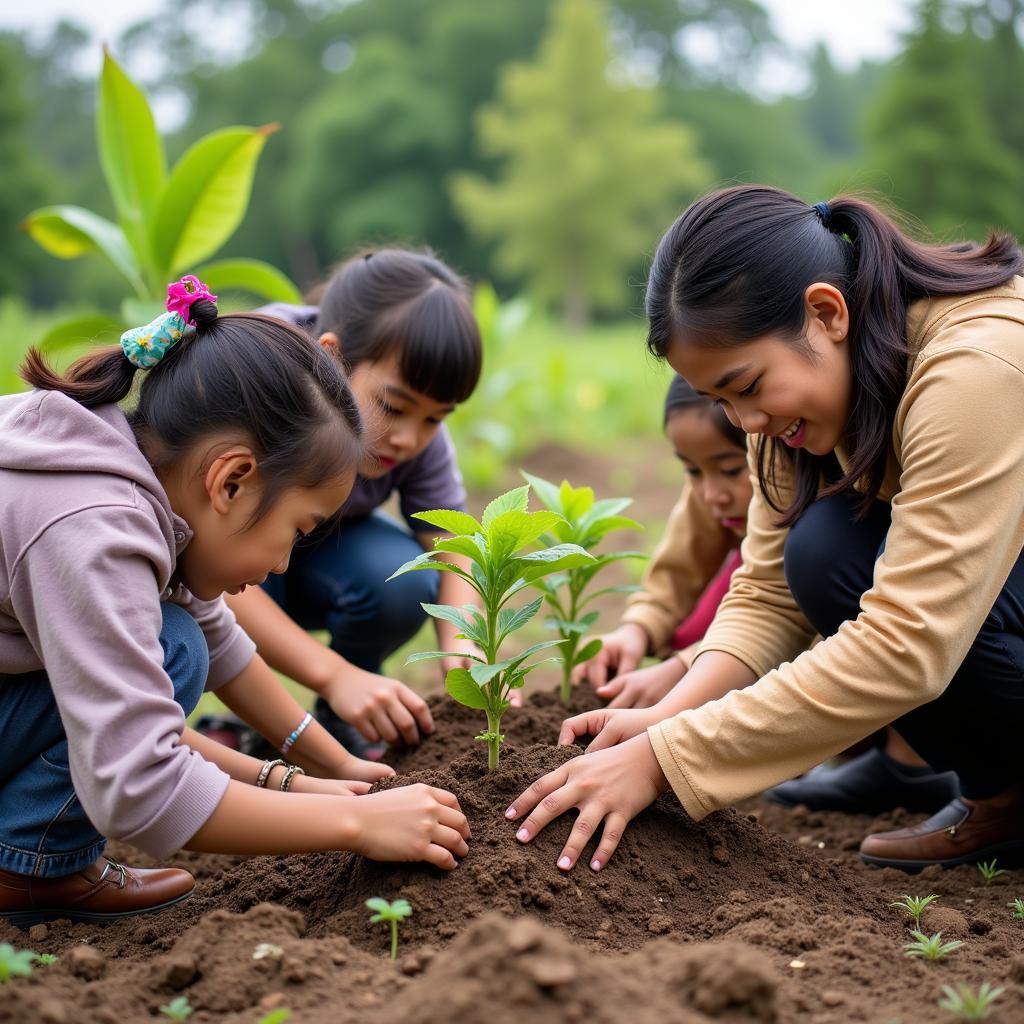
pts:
[346, 733]
[868, 784]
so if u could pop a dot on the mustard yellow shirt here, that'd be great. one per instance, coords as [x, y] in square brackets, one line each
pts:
[956, 485]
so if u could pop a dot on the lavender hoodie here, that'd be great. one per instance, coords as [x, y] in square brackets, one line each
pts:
[88, 547]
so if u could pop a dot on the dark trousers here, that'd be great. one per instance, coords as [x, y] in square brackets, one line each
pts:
[976, 727]
[340, 584]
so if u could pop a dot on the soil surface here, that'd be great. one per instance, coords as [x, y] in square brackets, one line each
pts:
[753, 915]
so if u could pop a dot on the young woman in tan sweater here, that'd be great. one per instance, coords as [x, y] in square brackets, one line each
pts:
[883, 383]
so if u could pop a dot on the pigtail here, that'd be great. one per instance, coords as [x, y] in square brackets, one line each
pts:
[95, 379]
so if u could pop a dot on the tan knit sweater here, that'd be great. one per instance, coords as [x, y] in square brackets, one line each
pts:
[956, 485]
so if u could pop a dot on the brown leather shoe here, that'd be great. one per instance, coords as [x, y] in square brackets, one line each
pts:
[104, 891]
[963, 832]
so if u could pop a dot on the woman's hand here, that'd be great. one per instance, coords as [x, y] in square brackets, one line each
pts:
[621, 651]
[410, 823]
[609, 788]
[382, 709]
[608, 726]
[644, 687]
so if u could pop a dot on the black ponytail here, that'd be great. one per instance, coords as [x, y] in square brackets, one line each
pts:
[734, 267]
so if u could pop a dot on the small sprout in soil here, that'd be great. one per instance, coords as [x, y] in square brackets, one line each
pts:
[989, 871]
[930, 947]
[15, 963]
[276, 1016]
[915, 906]
[177, 1009]
[267, 950]
[46, 959]
[500, 568]
[1016, 909]
[584, 522]
[968, 1004]
[394, 912]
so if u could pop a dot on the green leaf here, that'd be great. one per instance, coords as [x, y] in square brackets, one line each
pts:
[517, 500]
[576, 501]
[278, 1016]
[521, 528]
[622, 588]
[483, 674]
[460, 685]
[434, 655]
[424, 561]
[401, 908]
[81, 330]
[140, 311]
[587, 651]
[534, 649]
[450, 614]
[68, 232]
[207, 195]
[544, 489]
[459, 523]
[603, 526]
[460, 546]
[535, 564]
[253, 276]
[378, 904]
[131, 154]
[511, 619]
[605, 507]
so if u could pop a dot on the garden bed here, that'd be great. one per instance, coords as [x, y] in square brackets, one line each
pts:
[758, 914]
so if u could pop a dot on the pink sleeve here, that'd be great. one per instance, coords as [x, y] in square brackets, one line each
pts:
[696, 625]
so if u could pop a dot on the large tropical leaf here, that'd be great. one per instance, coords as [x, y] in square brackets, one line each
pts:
[253, 276]
[131, 154]
[71, 231]
[207, 196]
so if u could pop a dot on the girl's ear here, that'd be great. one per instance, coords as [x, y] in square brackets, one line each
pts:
[826, 304]
[231, 477]
[330, 341]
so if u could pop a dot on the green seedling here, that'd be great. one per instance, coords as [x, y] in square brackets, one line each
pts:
[1016, 909]
[46, 959]
[15, 963]
[915, 906]
[177, 1009]
[989, 871]
[930, 947]
[394, 912]
[500, 568]
[968, 1004]
[276, 1016]
[585, 522]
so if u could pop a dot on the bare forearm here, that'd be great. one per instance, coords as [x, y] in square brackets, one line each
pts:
[713, 675]
[282, 643]
[262, 821]
[258, 698]
[239, 766]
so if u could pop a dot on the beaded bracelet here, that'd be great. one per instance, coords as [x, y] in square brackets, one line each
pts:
[290, 774]
[268, 767]
[296, 733]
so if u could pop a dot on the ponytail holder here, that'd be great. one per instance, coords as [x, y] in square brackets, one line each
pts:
[181, 295]
[145, 346]
[824, 212]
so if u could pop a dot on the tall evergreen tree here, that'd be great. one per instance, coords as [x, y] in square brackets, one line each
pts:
[589, 172]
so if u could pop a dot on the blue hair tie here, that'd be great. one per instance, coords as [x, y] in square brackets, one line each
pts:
[824, 212]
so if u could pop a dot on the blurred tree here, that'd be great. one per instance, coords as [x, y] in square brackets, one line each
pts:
[589, 173]
[932, 140]
[23, 179]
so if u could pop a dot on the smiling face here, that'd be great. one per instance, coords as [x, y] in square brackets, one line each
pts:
[400, 422]
[229, 550]
[798, 391]
[716, 467]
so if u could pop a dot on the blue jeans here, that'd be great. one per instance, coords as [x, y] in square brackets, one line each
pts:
[43, 829]
[339, 584]
[974, 727]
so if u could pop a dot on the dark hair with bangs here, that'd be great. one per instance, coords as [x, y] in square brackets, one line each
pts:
[245, 373]
[681, 397]
[734, 267]
[413, 305]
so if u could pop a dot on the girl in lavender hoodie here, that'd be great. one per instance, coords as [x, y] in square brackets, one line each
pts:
[120, 532]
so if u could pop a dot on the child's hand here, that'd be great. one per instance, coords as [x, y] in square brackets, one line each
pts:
[621, 651]
[382, 709]
[411, 823]
[330, 787]
[352, 767]
[644, 687]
